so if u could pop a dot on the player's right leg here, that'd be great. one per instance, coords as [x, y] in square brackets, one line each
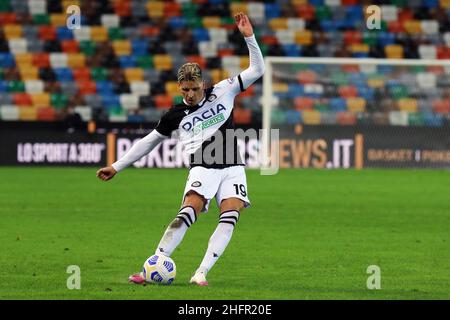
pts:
[192, 205]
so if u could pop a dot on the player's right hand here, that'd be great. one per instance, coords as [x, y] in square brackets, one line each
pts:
[106, 173]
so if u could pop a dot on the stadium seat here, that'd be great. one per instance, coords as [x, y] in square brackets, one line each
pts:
[356, 104]
[17, 46]
[162, 62]
[394, 51]
[129, 101]
[82, 34]
[34, 86]
[311, 117]
[21, 99]
[427, 52]
[134, 74]
[304, 103]
[398, 118]
[58, 60]
[29, 73]
[9, 112]
[23, 60]
[346, 118]
[86, 87]
[46, 114]
[81, 74]
[99, 33]
[408, 104]
[85, 112]
[12, 31]
[163, 101]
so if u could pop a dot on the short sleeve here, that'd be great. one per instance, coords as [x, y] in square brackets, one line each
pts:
[166, 124]
[234, 85]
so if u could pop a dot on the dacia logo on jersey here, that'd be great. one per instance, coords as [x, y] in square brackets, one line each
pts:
[212, 115]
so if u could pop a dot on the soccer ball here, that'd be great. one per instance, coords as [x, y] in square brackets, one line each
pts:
[159, 269]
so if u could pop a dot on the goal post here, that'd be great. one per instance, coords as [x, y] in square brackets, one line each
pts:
[406, 101]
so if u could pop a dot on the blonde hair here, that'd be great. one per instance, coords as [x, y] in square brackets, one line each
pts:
[189, 72]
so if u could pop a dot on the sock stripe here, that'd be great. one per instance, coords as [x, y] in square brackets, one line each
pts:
[231, 217]
[230, 211]
[184, 220]
[194, 218]
[187, 215]
[229, 222]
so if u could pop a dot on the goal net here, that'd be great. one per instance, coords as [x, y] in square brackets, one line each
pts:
[356, 113]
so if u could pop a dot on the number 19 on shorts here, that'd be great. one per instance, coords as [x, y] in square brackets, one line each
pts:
[240, 189]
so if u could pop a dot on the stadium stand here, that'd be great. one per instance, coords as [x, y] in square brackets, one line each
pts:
[121, 64]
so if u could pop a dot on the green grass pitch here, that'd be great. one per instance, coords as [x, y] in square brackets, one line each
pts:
[310, 234]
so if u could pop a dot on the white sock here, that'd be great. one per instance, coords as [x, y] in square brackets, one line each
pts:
[219, 239]
[176, 231]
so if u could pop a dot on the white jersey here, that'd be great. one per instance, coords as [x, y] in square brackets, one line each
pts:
[198, 126]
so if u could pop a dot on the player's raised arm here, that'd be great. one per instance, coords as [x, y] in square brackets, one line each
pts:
[256, 68]
[137, 151]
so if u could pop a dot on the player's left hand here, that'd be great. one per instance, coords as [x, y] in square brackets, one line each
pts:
[243, 23]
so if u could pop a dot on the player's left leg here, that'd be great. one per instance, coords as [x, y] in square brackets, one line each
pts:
[232, 198]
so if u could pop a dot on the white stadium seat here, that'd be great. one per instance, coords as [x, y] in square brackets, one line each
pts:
[285, 36]
[9, 113]
[398, 118]
[389, 13]
[426, 80]
[140, 88]
[110, 20]
[129, 101]
[427, 51]
[208, 49]
[37, 6]
[82, 34]
[85, 112]
[18, 46]
[296, 24]
[58, 60]
[34, 86]
[218, 35]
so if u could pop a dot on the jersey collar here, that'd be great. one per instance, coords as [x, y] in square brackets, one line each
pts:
[206, 95]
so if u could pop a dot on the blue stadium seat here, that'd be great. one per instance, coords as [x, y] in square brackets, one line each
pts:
[63, 33]
[433, 119]
[316, 3]
[104, 87]
[292, 50]
[272, 10]
[293, 117]
[295, 90]
[3, 86]
[63, 74]
[430, 3]
[386, 38]
[110, 100]
[135, 118]
[7, 60]
[128, 61]
[177, 22]
[365, 92]
[338, 104]
[200, 34]
[139, 47]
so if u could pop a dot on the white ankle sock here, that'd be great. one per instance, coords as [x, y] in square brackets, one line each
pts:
[219, 239]
[176, 231]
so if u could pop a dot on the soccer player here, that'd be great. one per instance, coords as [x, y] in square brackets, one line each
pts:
[198, 120]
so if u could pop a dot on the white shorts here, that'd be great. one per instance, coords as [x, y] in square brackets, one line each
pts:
[225, 183]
